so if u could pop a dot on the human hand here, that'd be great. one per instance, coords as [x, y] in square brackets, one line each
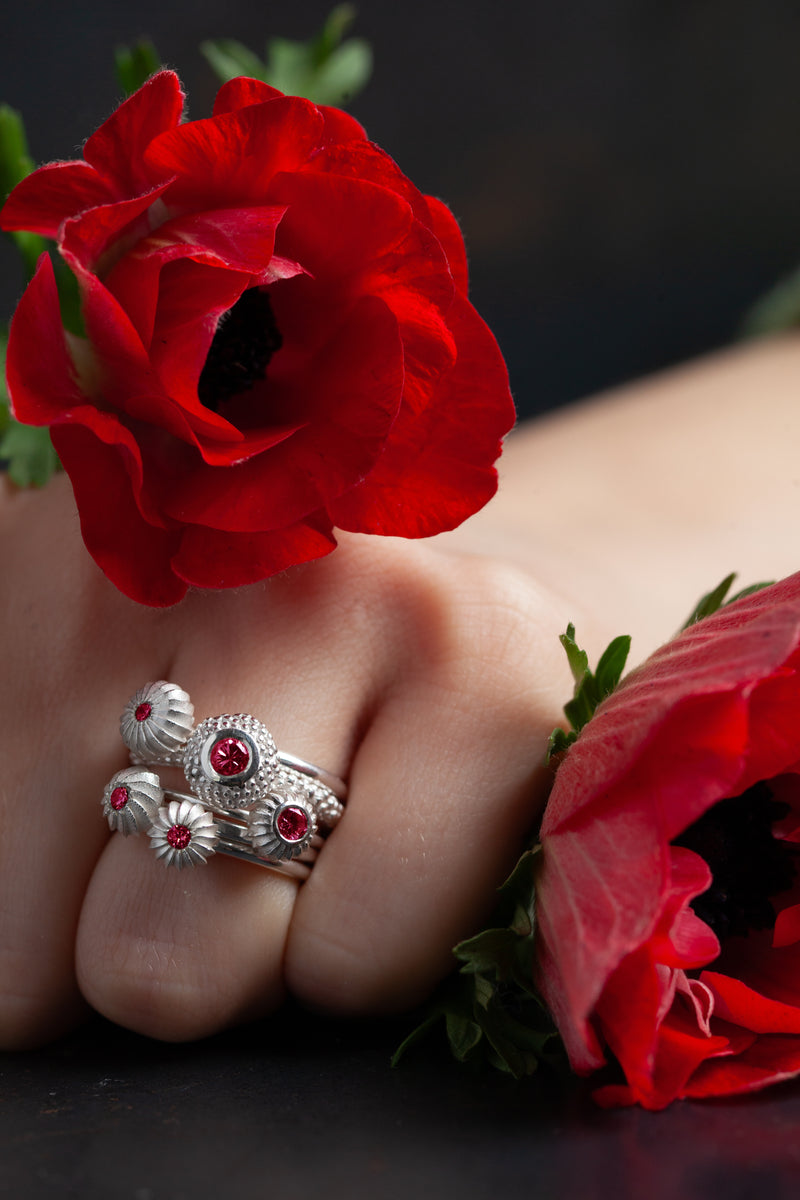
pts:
[428, 679]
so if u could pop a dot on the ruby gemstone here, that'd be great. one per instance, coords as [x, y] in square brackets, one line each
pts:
[179, 837]
[230, 756]
[292, 823]
[143, 711]
[118, 798]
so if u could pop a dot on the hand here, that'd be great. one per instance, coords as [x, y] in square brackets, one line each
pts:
[429, 680]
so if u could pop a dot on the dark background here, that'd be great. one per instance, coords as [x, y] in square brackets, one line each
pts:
[625, 171]
[626, 175]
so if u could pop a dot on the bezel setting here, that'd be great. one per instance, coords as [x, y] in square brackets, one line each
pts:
[144, 797]
[198, 834]
[265, 836]
[159, 736]
[241, 789]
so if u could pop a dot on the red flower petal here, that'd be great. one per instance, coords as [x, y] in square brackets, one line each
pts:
[681, 1050]
[767, 1061]
[446, 228]
[357, 381]
[241, 240]
[210, 559]
[102, 460]
[438, 467]
[787, 927]
[367, 163]
[231, 159]
[742, 1005]
[46, 198]
[117, 149]
[42, 386]
[340, 126]
[242, 91]
[126, 376]
[706, 717]
[88, 236]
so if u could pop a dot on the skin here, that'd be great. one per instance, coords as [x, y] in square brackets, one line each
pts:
[428, 674]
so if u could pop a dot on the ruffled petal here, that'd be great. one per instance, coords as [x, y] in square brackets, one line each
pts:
[210, 559]
[438, 467]
[117, 149]
[103, 461]
[348, 401]
[42, 380]
[231, 159]
[48, 197]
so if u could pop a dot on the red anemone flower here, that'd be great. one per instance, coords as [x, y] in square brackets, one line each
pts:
[668, 898]
[277, 341]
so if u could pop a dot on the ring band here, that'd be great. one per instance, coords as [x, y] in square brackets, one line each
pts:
[246, 798]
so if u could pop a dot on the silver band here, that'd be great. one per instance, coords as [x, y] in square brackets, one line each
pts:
[248, 799]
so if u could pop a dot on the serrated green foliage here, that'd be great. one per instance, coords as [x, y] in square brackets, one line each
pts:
[591, 687]
[15, 164]
[775, 311]
[718, 598]
[133, 65]
[325, 70]
[491, 1010]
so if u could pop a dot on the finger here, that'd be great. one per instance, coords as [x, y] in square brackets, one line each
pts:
[446, 783]
[177, 955]
[52, 748]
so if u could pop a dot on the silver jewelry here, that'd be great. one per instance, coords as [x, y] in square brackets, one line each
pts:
[249, 800]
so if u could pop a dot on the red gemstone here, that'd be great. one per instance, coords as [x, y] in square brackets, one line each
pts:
[292, 823]
[119, 798]
[230, 756]
[143, 711]
[179, 837]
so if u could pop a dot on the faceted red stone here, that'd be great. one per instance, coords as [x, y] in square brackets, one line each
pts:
[230, 756]
[119, 798]
[292, 823]
[143, 711]
[179, 837]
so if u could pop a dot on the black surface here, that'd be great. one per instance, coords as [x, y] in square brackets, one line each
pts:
[304, 1108]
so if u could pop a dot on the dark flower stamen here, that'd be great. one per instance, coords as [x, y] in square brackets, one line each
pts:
[748, 863]
[246, 339]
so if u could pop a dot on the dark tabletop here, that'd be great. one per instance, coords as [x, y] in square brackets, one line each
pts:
[303, 1107]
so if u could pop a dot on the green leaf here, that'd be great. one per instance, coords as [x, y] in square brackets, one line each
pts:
[135, 64]
[15, 162]
[343, 75]
[578, 659]
[611, 665]
[559, 742]
[710, 602]
[5, 402]
[229, 58]
[491, 1009]
[325, 70]
[775, 311]
[463, 1034]
[591, 688]
[15, 165]
[29, 453]
[718, 598]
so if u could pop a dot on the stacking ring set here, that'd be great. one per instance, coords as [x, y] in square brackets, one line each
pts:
[244, 798]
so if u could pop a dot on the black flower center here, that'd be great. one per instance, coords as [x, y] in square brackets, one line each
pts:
[246, 339]
[748, 863]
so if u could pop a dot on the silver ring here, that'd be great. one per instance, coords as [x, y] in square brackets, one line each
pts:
[248, 799]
